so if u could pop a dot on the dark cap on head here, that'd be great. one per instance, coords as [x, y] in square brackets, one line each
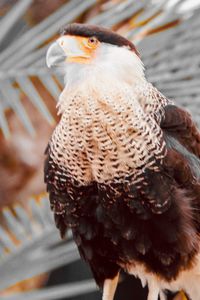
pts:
[102, 34]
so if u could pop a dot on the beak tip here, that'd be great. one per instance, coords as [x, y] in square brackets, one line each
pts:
[54, 54]
[48, 64]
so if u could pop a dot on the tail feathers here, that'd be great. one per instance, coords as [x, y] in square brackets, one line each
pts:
[180, 296]
[190, 284]
[155, 292]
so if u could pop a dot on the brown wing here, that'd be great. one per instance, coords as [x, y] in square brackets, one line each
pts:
[57, 201]
[183, 156]
[178, 123]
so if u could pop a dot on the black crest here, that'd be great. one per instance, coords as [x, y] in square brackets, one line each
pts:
[102, 34]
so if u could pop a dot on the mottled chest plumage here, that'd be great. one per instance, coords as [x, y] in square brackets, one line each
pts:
[104, 134]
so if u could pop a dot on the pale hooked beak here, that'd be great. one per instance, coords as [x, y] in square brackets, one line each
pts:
[55, 55]
[66, 49]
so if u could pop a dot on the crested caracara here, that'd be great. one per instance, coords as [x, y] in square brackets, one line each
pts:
[123, 167]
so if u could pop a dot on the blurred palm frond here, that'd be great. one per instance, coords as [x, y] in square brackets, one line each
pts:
[23, 57]
[162, 30]
[30, 245]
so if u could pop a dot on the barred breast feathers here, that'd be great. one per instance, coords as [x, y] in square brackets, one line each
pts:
[104, 132]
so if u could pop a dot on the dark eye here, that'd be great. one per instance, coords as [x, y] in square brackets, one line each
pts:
[92, 41]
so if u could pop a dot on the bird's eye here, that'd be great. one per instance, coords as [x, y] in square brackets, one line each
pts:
[92, 42]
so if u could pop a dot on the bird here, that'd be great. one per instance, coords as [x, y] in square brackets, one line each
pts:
[122, 166]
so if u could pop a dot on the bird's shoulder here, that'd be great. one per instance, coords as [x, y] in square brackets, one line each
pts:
[179, 131]
[177, 123]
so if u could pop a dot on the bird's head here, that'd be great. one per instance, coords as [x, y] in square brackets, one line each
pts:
[82, 48]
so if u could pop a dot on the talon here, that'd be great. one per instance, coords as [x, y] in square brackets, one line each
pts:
[181, 296]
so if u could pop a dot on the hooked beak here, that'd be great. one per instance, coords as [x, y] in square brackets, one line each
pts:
[55, 55]
[67, 49]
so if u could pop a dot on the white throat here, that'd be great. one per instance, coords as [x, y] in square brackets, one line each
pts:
[111, 63]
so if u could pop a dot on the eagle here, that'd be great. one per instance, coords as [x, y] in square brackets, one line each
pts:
[122, 167]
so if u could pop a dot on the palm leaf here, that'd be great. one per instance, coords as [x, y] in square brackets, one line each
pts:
[20, 59]
[174, 66]
[30, 245]
[55, 293]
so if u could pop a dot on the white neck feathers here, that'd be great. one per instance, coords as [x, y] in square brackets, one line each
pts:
[111, 62]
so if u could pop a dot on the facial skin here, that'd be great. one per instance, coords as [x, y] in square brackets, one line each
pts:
[74, 49]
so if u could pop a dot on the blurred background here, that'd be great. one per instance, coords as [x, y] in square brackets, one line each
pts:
[34, 263]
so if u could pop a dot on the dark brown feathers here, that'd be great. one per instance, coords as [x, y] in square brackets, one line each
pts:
[178, 123]
[154, 222]
[102, 34]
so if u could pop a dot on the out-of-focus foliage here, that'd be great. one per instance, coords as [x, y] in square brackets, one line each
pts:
[30, 245]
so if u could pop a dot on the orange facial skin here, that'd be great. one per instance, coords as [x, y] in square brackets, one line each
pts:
[87, 46]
